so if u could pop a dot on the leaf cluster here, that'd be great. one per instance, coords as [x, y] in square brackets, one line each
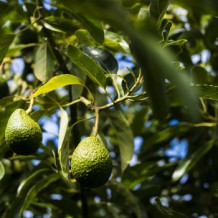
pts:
[62, 61]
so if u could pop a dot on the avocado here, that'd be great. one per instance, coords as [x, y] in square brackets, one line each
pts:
[22, 134]
[91, 163]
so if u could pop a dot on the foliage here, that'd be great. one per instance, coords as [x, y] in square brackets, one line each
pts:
[163, 101]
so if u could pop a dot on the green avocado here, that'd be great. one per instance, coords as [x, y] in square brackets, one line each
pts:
[22, 134]
[91, 164]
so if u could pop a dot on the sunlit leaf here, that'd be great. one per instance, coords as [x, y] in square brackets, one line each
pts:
[115, 42]
[63, 148]
[124, 135]
[87, 65]
[188, 163]
[57, 82]
[2, 171]
[84, 37]
[44, 63]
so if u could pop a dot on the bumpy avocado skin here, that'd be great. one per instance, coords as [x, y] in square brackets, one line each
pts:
[22, 134]
[91, 164]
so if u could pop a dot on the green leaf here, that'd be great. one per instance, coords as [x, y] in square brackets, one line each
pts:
[24, 157]
[44, 63]
[94, 27]
[207, 91]
[102, 56]
[167, 212]
[166, 30]
[126, 199]
[87, 65]
[57, 82]
[84, 37]
[179, 42]
[38, 114]
[200, 75]
[156, 64]
[154, 79]
[36, 188]
[26, 183]
[167, 134]
[158, 9]
[5, 42]
[124, 135]
[15, 207]
[188, 163]
[61, 24]
[115, 42]
[15, 49]
[77, 90]
[2, 171]
[63, 147]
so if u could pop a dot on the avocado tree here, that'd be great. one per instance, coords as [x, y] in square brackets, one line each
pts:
[133, 84]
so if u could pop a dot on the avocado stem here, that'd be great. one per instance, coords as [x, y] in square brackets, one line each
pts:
[95, 128]
[29, 109]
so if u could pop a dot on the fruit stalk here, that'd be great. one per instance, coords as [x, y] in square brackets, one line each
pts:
[95, 128]
[29, 110]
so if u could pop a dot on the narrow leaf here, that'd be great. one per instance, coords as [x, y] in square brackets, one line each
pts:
[2, 171]
[188, 163]
[44, 63]
[5, 42]
[63, 148]
[94, 71]
[57, 82]
[167, 212]
[63, 127]
[15, 207]
[124, 135]
[36, 188]
[26, 183]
